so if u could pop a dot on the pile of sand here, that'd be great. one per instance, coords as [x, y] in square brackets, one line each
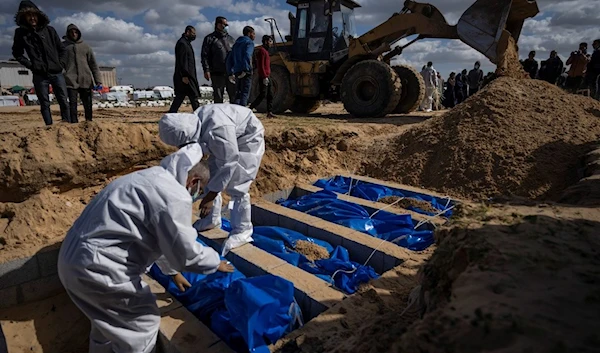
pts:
[520, 137]
[70, 156]
[312, 251]
[407, 202]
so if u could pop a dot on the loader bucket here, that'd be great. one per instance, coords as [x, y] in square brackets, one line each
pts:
[483, 24]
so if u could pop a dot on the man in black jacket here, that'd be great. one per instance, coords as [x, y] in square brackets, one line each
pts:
[215, 48]
[45, 57]
[592, 75]
[185, 79]
[552, 68]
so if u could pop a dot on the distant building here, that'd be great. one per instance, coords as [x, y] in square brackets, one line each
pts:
[108, 76]
[12, 73]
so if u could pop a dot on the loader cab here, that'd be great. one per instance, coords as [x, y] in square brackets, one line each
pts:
[321, 29]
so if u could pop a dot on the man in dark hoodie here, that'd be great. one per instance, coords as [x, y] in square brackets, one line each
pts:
[45, 57]
[239, 64]
[215, 48]
[81, 72]
[185, 79]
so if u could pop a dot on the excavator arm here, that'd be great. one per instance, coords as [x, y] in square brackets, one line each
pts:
[485, 27]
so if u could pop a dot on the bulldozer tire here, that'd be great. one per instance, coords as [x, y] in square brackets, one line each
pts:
[370, 89]
[413, 89]
[305, 105]
[281, 87]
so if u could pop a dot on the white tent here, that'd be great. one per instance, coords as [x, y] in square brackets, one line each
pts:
[143, 95]
[9, 101]
[126, 89]
[115, 96]
[163, 92]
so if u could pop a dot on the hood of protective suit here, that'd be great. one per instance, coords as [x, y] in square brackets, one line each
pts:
[179, 129]
[180, 162]
[26, 7]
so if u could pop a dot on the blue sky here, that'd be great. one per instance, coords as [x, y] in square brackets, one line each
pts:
[138, 36]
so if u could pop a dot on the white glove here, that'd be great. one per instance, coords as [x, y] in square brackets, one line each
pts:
[242, 75]
[232, 79]
[266, 81]
[235, 241]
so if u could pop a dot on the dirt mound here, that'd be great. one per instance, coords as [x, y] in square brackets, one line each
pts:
[70, 156]
[520, 137]
[512, 287]
[406, 202]
[312, 251]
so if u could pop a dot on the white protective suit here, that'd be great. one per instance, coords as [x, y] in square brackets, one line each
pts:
[130, 224]
[430, 77]
[234, 139]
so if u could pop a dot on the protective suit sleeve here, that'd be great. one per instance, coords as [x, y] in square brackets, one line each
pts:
[223, 147]
[177, 240]
[165, 267]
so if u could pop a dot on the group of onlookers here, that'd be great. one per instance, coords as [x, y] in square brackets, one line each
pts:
[227, 64]
[583, 73]
[69, 65]
[455, 90]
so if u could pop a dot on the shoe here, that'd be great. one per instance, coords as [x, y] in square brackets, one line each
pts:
[271, 116]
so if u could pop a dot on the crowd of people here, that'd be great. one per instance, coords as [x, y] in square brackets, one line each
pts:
[456, 89]
[582, 76]
[69, 65]
[227, 64]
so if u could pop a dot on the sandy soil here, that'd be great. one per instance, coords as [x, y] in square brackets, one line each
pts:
[502, 279]
[407, 202]
[515, 137]
[54, 325]
[47, 176]
[312, 251]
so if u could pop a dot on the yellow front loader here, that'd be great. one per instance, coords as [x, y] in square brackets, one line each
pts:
[323, 59]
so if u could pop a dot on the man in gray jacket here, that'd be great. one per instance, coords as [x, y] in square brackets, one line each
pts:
[81, 72]
[215, 48]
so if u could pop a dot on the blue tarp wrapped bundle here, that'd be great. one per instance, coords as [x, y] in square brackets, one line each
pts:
[246, 313]
[375, 192]
[384, 225]
[347, 275]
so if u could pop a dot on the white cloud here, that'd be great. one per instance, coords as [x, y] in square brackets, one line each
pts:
[151, 16]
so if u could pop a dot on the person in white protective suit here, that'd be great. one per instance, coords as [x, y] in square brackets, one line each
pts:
[234, 139]
[430, 77]
[136, 220]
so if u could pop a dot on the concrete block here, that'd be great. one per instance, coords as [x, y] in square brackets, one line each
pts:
[253, 261]
[18, 271]
[266, 214]
[303, 281]
[164, 300]
[186, 334]
[39, 289]
[390, 262]
[48, 261]
[360, 252]
[326, 231]
[8, 297]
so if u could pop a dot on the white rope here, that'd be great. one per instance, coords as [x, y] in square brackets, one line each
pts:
[429, 219]
[386, 207]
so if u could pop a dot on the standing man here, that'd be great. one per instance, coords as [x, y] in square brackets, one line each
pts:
[530, 65]
[552, 68]
[185, 80]
[239, 64]
[81, 72]
[215, 48]
[263, 63]
[593, 70]
[45, 57]
[234, 138]
[578, 61]
[475, 79]
[430, 77]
